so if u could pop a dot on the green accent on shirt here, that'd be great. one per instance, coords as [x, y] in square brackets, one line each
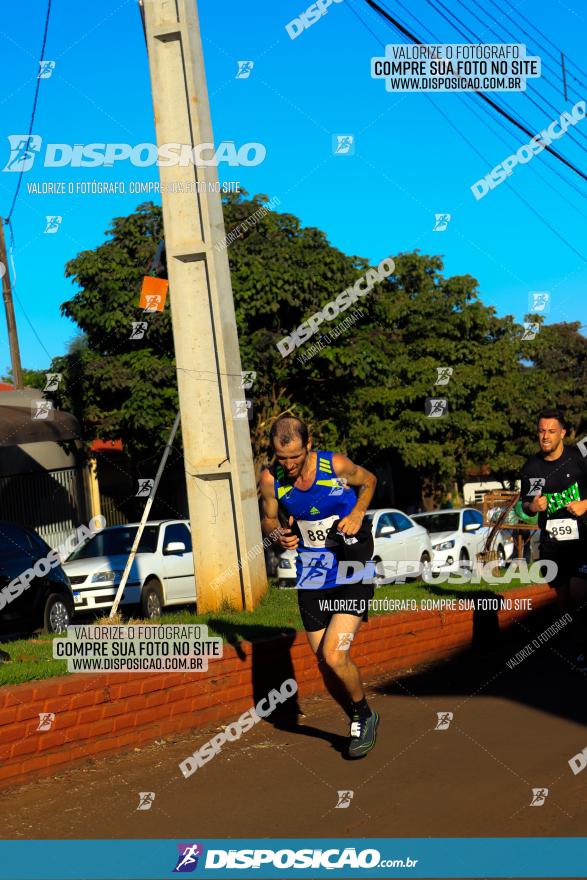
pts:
[556, 500]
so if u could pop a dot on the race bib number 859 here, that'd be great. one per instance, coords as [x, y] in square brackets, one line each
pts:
[563, 529]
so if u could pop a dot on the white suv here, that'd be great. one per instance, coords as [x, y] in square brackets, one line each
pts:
[162, 572]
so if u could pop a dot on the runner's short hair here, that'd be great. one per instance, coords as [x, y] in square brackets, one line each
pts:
[552, 413]
[287, 428]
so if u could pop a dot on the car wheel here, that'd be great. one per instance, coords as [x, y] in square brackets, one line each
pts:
[57, 613]
[464, 560]
[425, 565]
[501, 561]
[152, 599]
[378, 577]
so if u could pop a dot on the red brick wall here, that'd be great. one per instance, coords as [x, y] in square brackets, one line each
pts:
[110, 712]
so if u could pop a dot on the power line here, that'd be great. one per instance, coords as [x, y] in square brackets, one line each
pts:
[405, 32]
[17, 298]
[498, 120]
[513, 36]
[552, 107]
[535, 89]
[34, 108]
[516, 193]
[28, 320]
[532, 167]
[542, 34]
[484, 97]
[530, 36]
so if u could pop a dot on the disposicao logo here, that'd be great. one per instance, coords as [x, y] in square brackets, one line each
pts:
[24, 149]
[187, 859]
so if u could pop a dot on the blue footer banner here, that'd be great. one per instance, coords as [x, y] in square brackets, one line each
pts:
[282, 858]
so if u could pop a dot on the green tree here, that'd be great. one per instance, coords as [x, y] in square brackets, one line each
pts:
[30, 378]
[363, 393]
[119, 387]
[420, 321]
[558, 358]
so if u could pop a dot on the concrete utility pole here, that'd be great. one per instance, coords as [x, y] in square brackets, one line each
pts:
[9, 309]
[222, 494]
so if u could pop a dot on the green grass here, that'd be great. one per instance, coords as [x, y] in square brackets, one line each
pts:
[31, 659]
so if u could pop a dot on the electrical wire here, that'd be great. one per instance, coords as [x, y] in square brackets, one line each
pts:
[513, 36]
[32, 122]
[499, 121]
[532, 168]
[530, 98]
[405, 32]
[15, 294]
[542, 34]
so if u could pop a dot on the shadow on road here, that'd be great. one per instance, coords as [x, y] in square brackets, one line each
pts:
[272, 665]
[481, 668]
[547, 679]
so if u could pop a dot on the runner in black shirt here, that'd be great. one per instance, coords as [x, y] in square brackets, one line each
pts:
[554, 485]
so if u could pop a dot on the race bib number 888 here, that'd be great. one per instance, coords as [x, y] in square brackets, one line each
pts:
[315, 532]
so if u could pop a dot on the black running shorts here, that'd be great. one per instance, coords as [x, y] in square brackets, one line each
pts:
[318, 607]
[570, 559]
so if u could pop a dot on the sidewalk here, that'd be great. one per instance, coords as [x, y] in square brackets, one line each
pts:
[513, 730]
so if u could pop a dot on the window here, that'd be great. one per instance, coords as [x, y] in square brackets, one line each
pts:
[401, 522]
[40, 548]
[15, 543]
[384, 521]
[178, 532]
[438, 522]
[117, 541]
[472, 517]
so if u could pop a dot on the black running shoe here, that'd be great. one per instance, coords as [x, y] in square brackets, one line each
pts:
[363, 734]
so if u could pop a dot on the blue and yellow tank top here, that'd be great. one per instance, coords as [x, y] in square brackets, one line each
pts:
[315, 511]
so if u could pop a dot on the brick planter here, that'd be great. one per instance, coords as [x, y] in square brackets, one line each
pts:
[111, 712]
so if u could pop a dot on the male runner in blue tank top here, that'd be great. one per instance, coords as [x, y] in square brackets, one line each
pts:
[324, 513]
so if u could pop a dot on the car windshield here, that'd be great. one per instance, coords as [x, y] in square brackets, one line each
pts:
[115, 542]
[439, 522]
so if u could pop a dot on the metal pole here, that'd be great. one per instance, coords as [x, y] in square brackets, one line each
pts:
[221, 485]
[9, 309]
[144, 517]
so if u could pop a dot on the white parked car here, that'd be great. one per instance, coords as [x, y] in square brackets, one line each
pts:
[286, 569]
[458, 535]
[400, 540]
[162, 572]
[401, 547]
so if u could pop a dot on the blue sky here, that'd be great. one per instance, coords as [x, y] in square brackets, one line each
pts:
[409, 163]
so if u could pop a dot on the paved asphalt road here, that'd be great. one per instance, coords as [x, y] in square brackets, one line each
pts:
[513, 730]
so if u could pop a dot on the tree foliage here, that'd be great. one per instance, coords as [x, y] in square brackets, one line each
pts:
[363, 393]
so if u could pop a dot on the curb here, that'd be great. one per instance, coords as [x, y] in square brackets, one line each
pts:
[110, 712]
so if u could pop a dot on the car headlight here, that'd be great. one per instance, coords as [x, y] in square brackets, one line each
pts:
[447, 545]
[106, 577]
